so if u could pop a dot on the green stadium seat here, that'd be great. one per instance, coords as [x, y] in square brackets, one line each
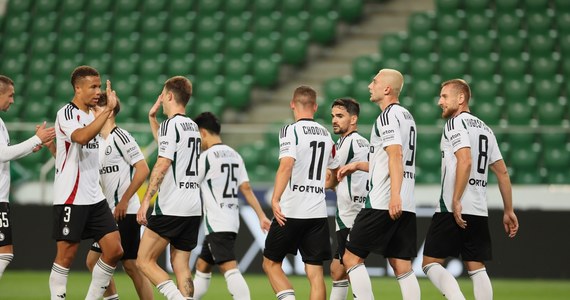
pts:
[264, 47]
[524, 158]
[180, 65]
[263, 7]
[451, 46]
[481, 45]
[425, 91]
[541, 45]
[360, 91]
[152, 7]
[527, 177]
[516, 91]
[538, 22]
[294, 50]
[263, 26]
[95, 47]
[321, 7]
[14, 45]
[482, 68]
[180, 45]
[476, 6]
[519, 113]
[181, 24]
[250, 154]
[544, 68]
[43, 45]
[536, 5]
[368, 111]
[292, 7]
[236, 26]
[428, 139]
[364, 68]
[235, 7]
[556, 158]
[513, 68]
[265, 72]
[148, 93]
[558, 177]
[13, 64]
[350, 10]
[479, 23]
[421, 23]
[125, 88]
[64, 66]
[490, 114]
[563, 22]
[154, 24]
[71, 6]
[428, 176]
[215, 106]
[509, 23]
[393, 44]
[449, 23]
[126, 6]
[208, 25]
[450, 68]
[485, 91]
[151, 46]
[421, 46]
[448, 6]
[521, 138]
[43, 24]
[181, 7]
[16, 25]
[422, 68]
[98, 24]
[40, 67]
[323, 28]
[294, 25]
[99, 6]
[237, 93]
[207, 90]
[124, 66]
[511, 45]
[429, 157]
[401, 63]
[38, 88]
[506, 6]
[553, 139]
[151, 67]
[237, 46]
[17, 7]
[547, 90]
[72, 24]
[209, 7]
[124, 46]
[42, 7]
[561, 5]
[69, 45]
[337, 87]
[36, 111]
[125, 25]
[207, 69]
[101, 63]
[550, 114]
[427, 113]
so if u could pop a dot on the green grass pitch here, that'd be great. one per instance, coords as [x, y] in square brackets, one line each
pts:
[30, 285]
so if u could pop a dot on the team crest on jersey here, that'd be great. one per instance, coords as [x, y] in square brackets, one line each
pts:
[65, 230]
[108, 150]
[2, 237]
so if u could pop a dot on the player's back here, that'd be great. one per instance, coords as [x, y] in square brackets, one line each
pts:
[310, 144]
[224, 171]
[466, 130]
[179, 141]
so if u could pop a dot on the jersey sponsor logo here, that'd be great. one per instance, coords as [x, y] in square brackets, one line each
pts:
[314, 130]
[65, 230]
[477, 182]
[109, 169]
[91, 145]
[188, 185]
[230, 205]
[108, 150]
[388, 134]
[358, 199]
[309, 189]
[409, 175]
[133, 148]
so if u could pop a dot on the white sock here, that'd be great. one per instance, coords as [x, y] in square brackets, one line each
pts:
[169, 290]
[236, 285]
[58, 282]
[112, 297]
[339, 290]
[360, 281]
[201, 284]
[409, 286]
[286, 295]
[482, 287]
[443, 281]
[5, 260]
[100, 278]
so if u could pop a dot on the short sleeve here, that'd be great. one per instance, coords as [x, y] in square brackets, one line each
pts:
[287, 142]
[457, 135]
[334, 160]
[167, 139]
[495, 153]
[68, 121]
[203, 166]
[390, 132]
[128, 147]
[242, 174]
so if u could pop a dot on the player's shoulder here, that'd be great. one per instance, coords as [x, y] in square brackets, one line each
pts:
[121, 135]
[67, 111]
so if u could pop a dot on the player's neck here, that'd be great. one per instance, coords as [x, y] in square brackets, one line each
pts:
[211, 140]
[349, 131]
[177, 110]
[108, 127]
[387, 101]
[80, 104]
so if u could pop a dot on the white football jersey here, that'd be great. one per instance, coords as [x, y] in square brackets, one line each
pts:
[76, 166]
[466, 130]
[394, 126]
[117, 155]
[351, 192]
[4, 166]
[310, 144]
[222, 171]
[179, 193]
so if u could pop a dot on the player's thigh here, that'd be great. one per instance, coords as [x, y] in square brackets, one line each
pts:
[370, 232]
[476, 239]
[179, 260]
[443, 238]
[281, 240]
[100, 222]
[222, 246]
[402, 245]
[151, 246]
[315, 244]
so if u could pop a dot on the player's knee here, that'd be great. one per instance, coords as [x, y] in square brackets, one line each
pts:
[337, 273]
[268, 265]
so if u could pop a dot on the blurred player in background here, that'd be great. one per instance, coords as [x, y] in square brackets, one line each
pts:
[7, 153]
[123, 170]
[222, 173]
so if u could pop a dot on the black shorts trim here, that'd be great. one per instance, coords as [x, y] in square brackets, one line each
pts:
[374, 231]
[341, 236]
[74, 223]
[445, 238]
[5, 225]
[219, 247]
[309, 236]
[182, 232]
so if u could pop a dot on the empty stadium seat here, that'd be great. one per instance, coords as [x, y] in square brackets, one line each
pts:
[350, 10]
[422, 68]
[235, 7]
[516, 91]
[323, 28]
[485, 91]
[266, 72]
[43, 24]
[550, 114]
[481, 45]
[426, 113]
[513, 68]
[181, 24]
[393, 44]
[421, 46]
[476, 6]
[421, 23]
[237, 93]
[450, 68]
[482, 68]
[208, 7]
[519, 113]
[450, 23]
[294, 49]
[337, 87]
[479, 23]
